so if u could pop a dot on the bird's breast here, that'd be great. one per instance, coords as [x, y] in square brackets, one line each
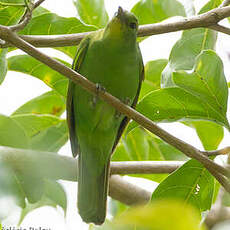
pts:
[116, 68]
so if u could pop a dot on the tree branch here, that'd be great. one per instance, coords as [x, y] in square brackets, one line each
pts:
[220, 28]
[38, 3]
[7, 35]
[225, 3]
[209, 19]
[223, 151]
[65, 168]
[144, 167]
[218, 213]
[126, 192]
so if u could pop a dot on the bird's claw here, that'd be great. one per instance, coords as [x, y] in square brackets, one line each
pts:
[126, 101]
[100, 88]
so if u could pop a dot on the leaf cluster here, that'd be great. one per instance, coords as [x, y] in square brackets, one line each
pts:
[188, 87]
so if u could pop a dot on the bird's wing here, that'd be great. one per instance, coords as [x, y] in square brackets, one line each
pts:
[82, 49]
[126, 119]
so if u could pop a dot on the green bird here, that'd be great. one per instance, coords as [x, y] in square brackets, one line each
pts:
[110, 58]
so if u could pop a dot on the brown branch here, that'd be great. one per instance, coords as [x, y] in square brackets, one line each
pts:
[218, 213]
[126, 192]
[216, 216]
[225, 3]
[7, 35]
[208, 19]
[223, 151]
[220, 28]
[38, 3]
[145, 167]
[65, 168]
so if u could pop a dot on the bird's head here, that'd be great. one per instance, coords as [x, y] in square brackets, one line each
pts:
[123, 25]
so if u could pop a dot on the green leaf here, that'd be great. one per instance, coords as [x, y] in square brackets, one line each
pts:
[116, 208]
[52, 24]
[160, 150]
[107, 225]
[28, 65]
[161, 215]
[210, 134]
[175, 104]
[39, 11]
[50, 139]
[210, 5]
[31, 182]
[3, 64]
[10, 15]
[201, 94]
[10, 186]
[92, 12]
[20, 2]
[28, 183]
[54, 195]
[191, 183]
[12, 134]
[151, 11]
[206, 82]
[226, 199]
[153, 70]
[33, 124]
[140, 145]
[184, 52]
[45, 132]
[47, 103]
[136, 145]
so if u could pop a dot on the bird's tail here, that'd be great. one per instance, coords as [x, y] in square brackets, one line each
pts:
[92, 188]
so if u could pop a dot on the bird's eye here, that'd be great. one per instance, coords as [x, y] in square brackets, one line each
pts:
[133, 25]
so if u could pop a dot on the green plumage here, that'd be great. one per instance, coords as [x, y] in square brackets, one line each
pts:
[112, 59]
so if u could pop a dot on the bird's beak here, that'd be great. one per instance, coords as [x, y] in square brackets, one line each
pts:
[120, 12]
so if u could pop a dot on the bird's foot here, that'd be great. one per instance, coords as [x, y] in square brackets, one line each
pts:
[127, 101]
[99, 88]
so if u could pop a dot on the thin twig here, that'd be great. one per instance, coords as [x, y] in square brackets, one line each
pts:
[26, 17]
[144, 167]
[203, 20]
[218, 213]
[38, 3]
[223, 151]
[220, 28]
[225, 3]
[7, 35]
